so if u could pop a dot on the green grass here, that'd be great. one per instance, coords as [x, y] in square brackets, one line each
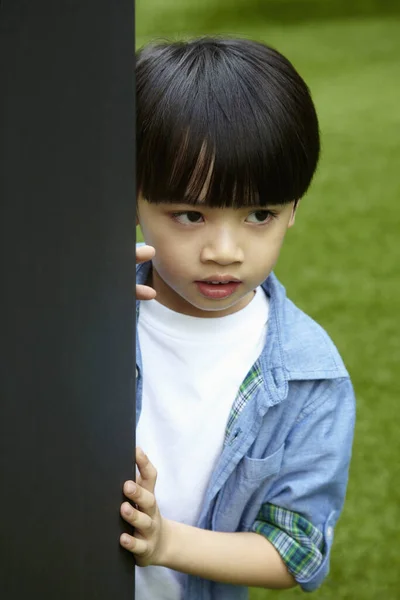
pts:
[341, 261]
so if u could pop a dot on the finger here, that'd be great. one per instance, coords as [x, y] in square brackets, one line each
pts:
[148, 472]
[144, 253]
[144, 292]
[134, 545]
[144, 499]
[139, 520]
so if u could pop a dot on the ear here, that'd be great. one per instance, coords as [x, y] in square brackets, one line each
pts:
[293, 215]
[138, 198]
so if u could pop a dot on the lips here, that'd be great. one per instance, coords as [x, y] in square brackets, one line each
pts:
[218, 287]
[220, 279]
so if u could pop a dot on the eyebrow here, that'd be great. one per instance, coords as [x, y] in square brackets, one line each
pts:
[195, 207]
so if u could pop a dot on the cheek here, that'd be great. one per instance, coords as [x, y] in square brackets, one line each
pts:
[175, 263]
[268, 250]
[154, 237]
[276, 247]
[167, 261]
[172, 249]
[146, 234]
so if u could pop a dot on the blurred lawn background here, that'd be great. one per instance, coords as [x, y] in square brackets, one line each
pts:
[340, 263]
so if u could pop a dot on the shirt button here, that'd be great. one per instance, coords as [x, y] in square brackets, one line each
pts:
[137, 372]
[329, 532]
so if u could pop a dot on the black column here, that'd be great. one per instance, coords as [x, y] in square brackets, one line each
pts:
[67, 217]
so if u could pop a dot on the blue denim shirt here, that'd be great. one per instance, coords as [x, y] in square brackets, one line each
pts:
[290, 446]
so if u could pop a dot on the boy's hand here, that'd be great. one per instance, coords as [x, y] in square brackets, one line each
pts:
[143, 254]
[149, 539]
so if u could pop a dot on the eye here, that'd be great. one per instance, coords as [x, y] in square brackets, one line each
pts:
[188, 218]
[260, 217]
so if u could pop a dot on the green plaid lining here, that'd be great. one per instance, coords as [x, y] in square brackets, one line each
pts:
[251, 382]
[300, 544]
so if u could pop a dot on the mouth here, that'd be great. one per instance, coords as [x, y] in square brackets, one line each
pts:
[219, 280]
[218, 288]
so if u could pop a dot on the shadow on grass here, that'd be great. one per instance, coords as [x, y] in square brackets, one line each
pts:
[283, 11]
[213, 13]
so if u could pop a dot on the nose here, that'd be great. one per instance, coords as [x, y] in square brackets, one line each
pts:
[222, 248]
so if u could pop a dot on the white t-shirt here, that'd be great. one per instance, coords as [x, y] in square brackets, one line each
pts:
[192, 370]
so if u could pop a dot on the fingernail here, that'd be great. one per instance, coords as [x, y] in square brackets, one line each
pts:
[125, 541]
[131, 488]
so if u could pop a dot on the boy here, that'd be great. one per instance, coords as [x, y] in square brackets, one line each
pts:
[243, 403]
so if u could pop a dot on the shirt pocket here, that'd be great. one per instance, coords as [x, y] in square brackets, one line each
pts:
[255, 469]
[240, 498]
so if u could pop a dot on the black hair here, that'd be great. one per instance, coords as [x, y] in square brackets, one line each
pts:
[224, 122]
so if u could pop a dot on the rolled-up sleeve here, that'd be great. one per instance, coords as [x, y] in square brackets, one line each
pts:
[306, 500]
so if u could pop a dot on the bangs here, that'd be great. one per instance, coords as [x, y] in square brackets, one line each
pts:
[217, 128]
[194, 170]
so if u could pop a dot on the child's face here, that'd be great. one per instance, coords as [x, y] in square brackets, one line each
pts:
[195, 245]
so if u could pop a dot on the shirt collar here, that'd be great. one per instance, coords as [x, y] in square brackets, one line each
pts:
[296, 347]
